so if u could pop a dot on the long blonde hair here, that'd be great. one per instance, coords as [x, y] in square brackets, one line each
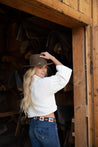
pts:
[28, 79]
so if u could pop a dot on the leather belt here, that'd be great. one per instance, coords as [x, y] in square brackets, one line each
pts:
[49, 119]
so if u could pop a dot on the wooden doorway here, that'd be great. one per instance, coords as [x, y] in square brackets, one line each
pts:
[80, 83]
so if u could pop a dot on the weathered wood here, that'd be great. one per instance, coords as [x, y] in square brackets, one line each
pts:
[52, 10]
[79, 88]
[95, 12]
[95, 69]
[85, 7]
[95, 74]
[55, 4]
[89, 84]
[71, 3]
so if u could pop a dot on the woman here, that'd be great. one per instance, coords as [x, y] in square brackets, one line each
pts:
[39, 100]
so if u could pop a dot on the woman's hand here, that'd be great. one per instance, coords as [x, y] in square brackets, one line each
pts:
[46, 55]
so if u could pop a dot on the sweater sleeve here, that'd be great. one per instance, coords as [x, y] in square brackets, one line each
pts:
[59, 80]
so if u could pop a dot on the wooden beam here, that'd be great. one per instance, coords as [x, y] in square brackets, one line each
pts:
[89, 78]
[51, 10]
[80, 107]
[66, 10]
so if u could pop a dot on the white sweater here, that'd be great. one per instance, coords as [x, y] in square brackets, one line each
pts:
[43, 91]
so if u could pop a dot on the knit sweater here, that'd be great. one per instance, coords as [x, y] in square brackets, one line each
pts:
[43, 91]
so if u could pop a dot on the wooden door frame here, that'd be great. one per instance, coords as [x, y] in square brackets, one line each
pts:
[82, 78]
[79, 82]
[83, 82]
[95, 83]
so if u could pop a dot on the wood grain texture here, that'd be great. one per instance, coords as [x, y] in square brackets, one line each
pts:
[85, 7]
[95, 12]
[89, 78]
[95, 74]
[79, 88]
[71, 3]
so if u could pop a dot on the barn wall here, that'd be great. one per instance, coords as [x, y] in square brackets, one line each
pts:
[95, 12]
[82, 6]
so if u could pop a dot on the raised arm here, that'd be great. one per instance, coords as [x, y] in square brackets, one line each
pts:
[60, 79]
[46, 55]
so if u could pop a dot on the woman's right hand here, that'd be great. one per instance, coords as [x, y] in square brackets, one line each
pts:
[46, 55]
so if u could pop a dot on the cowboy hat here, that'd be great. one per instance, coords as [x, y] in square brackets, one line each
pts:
[36, 60]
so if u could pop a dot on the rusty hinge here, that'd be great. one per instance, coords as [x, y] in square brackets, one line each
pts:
[91, 67]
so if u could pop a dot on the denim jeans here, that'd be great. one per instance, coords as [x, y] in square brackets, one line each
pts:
[43, 134]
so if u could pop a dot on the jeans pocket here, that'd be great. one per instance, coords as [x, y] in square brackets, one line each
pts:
[41, 133]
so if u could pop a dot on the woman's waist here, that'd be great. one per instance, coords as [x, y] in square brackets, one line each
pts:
[50, 115]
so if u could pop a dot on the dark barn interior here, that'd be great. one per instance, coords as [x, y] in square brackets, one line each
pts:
[21, 35]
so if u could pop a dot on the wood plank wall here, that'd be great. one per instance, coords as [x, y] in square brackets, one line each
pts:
[83, 6]
[71, 3]
[95, 12]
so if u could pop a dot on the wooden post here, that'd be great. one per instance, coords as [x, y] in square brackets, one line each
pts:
[95, 73]
[79, 87]
[89, 78]
[95, 68]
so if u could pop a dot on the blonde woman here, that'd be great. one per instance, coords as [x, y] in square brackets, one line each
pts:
[39, 99]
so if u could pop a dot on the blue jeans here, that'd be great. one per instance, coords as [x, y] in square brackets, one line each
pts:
[43, 134]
